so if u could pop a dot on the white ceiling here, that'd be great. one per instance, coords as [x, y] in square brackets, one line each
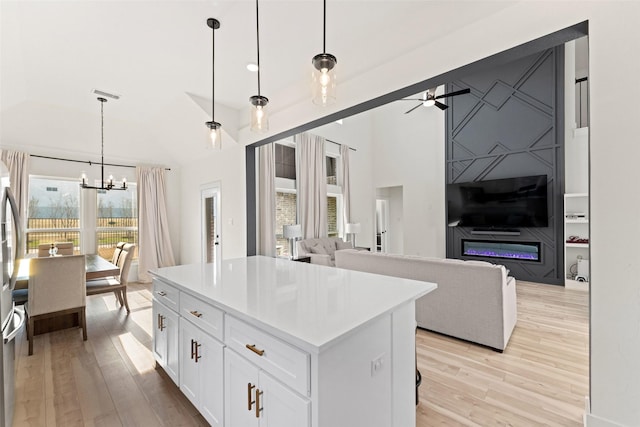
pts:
[157, 56]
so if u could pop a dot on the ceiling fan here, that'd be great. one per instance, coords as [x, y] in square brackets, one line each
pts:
[429, 98]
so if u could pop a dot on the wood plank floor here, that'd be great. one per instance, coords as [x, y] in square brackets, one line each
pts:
[542, 377]
[110, 380]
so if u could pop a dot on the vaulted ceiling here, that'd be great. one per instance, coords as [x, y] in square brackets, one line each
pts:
[157, 56]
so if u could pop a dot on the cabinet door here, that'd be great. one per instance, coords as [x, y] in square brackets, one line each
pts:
[280, 406]
[189, 375]
[211, 370]
[165, 339]
[171, 329]
[241, 382]
[159, 335]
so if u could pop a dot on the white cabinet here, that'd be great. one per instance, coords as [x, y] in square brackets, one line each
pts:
[165, 340]
[255, 399]
[201, 371]
[576, 237]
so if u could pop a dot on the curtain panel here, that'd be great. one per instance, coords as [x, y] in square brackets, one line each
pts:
[267, 201]
[18, 164]
[311, 183]
[153, 226]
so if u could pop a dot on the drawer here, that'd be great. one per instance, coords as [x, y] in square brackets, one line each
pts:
[203, 315]
[166, 294]
[285, 362]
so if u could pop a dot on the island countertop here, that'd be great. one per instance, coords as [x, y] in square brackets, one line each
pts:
[311, 305]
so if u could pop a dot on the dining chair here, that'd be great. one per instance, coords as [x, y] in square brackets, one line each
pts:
[56, 288]
[43, 249]
[118, 284]
[116, 253]
[64, 248]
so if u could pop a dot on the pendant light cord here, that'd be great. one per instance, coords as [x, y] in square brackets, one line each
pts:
[102, 141]
[258, 43]
[324, 27]
[213, 70]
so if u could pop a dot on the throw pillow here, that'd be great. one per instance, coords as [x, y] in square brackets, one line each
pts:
[318, 249]
[340, 244]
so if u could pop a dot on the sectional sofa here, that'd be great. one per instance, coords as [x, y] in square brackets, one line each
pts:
[475, 300]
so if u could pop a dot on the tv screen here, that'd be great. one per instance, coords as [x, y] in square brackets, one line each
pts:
[499, 203]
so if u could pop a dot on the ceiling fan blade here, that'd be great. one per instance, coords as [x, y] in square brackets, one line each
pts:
[410, 99]
[441, 106]
[419, 105]
[458, 92]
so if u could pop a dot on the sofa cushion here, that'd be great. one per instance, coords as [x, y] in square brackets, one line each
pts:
[318, 249]
[340, 244]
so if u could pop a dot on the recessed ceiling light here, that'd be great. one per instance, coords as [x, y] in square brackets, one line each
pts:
[252, 67]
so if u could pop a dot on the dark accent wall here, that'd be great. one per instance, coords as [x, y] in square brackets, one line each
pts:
[512, 124]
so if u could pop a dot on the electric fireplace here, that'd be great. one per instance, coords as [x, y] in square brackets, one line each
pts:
[521, 251]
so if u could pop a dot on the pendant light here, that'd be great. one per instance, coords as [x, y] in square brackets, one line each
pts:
[109, 183]
[215, 128]
[259, 114]
[323, 85]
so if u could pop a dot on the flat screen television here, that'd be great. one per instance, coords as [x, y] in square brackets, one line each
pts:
[499, 203]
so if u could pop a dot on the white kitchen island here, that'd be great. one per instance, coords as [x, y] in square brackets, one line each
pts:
[260, 341]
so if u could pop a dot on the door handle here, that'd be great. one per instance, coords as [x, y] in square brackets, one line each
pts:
[258, 408]
[16, 329]
[161, 322]
[198, 356]
[250, 402]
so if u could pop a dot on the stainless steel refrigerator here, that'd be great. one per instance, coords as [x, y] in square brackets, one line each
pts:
[12, 318]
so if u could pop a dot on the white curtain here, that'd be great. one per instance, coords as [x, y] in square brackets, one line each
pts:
[346, 184]
[18, 164]
[153, 227]
[267, 200]
[311, 183]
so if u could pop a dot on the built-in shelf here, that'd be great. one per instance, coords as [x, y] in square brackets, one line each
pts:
[577, 221]
[577, 245]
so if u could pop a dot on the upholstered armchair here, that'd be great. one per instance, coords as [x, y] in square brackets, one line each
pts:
[322, 250]
[56, 287]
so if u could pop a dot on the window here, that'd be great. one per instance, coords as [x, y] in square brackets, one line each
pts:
[116, 219]
[286, 197]
[53, 213]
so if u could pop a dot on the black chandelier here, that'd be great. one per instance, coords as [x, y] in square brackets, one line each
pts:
[109, 183]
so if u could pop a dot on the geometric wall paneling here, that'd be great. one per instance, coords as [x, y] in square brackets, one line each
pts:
[512, 124]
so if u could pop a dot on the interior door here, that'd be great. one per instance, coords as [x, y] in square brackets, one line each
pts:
[382, 225]
[211, 230]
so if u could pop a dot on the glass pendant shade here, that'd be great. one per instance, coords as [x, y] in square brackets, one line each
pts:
[259, 114]
[323, 79]
[215, 135]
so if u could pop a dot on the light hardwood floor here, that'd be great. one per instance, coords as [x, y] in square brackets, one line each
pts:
[110, 380]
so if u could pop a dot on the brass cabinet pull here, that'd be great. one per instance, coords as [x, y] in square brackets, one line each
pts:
[195, 313]
[162, 293]
[250, 402]
[258, 408]
[198, 356]
[253, 348]
[161, 325]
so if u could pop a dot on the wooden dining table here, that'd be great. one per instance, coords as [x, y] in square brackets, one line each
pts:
[96, 268]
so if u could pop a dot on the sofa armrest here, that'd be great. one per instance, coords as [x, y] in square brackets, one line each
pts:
[320, 259]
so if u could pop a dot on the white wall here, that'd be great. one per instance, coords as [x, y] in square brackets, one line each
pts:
[228, 168]
[409, 152]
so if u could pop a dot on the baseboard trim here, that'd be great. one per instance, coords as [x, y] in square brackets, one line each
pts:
[591, 420]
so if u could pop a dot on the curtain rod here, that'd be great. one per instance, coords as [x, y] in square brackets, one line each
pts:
[89, 162]
[350, 148]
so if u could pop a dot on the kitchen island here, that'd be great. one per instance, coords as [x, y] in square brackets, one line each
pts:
[261, 341]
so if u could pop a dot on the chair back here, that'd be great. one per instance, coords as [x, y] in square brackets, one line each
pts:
[64, 248]
[43, 249]
[56, 283]
[125, 262]
[117, 252]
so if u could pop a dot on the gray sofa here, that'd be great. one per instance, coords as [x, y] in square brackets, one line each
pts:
[322, 250]
[474, 301]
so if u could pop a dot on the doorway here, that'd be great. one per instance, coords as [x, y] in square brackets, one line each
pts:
[210, 209]
[389, 220]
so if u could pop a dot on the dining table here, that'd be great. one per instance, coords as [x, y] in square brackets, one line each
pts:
[96, 268]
